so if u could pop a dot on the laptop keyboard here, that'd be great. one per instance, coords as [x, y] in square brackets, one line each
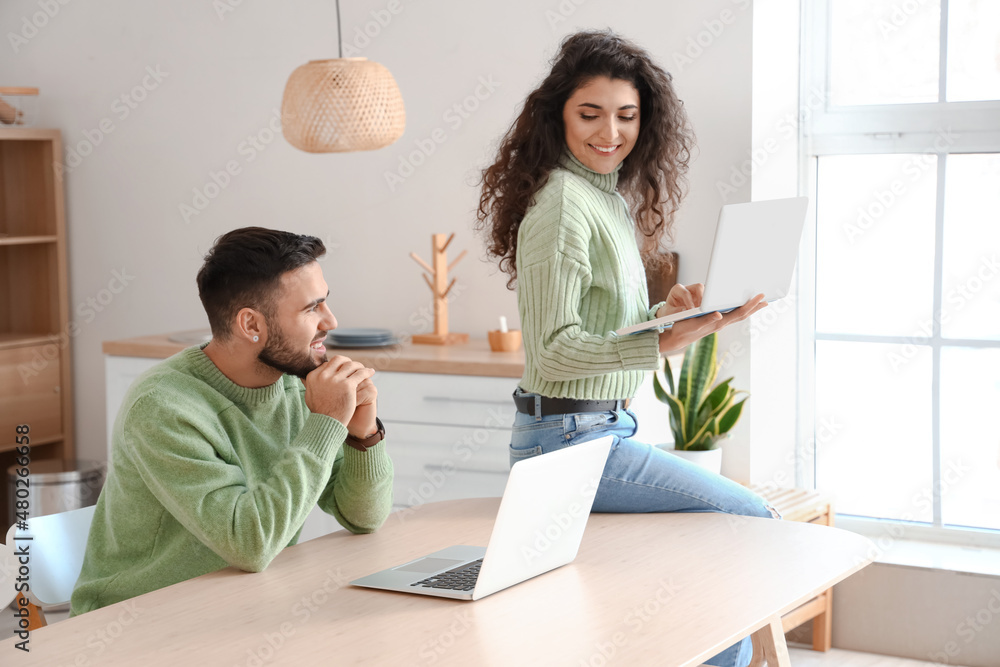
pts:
[461, 578]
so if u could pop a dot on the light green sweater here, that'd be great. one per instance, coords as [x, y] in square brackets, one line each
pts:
[579, 278]
[206, 474]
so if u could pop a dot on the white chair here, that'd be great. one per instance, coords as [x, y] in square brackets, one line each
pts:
[8, 573]
[55, 556]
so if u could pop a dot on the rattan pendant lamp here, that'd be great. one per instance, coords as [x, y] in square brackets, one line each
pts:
[342, 105]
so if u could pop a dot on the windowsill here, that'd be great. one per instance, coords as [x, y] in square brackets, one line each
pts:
[937, 556]
[923, 553]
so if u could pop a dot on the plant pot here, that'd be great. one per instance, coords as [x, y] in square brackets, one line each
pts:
[709, 459]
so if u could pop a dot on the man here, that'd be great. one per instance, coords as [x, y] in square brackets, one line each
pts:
[220, 452]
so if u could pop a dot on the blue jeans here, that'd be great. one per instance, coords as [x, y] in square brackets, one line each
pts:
[641, 478]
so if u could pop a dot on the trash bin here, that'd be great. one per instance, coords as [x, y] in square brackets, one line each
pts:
[54, 486]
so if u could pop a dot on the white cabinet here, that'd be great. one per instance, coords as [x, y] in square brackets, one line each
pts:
[447, 435]
[119, 374]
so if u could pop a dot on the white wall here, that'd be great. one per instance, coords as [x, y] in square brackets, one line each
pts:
[221, 83]
[773, 165]
[929, 614]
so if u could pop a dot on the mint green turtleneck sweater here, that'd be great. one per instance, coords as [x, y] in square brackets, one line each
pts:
[579, 278]
[206, 474]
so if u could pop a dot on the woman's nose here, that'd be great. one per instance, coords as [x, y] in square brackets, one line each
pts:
[609, 131]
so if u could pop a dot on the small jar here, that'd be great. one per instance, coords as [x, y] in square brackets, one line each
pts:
[18, 106]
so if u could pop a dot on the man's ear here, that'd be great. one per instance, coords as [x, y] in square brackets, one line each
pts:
[251, 323]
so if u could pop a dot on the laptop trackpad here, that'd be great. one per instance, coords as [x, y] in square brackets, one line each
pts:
[429, 565]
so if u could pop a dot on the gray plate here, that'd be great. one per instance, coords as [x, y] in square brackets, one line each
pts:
[192, 337]
[360, 333]
[352, 343]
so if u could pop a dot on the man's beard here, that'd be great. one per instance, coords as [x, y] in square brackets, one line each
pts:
[279, 355]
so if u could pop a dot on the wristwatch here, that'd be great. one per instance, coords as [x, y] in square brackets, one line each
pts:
[364, 444]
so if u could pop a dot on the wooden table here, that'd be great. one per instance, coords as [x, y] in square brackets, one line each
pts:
[653, 589]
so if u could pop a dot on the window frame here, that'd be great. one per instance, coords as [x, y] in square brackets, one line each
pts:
[939, 128]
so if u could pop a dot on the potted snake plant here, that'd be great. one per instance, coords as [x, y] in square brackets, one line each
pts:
[702, 412]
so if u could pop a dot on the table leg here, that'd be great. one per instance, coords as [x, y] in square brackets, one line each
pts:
[769, 646]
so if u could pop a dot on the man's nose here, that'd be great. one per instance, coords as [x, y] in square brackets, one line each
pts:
[329, 321]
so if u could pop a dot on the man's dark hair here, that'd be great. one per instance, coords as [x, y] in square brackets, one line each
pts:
[244, 268]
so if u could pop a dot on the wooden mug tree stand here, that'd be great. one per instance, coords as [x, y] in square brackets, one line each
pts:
[439, 274]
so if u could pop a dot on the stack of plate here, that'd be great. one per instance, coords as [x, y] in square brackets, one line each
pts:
[360, 338]
[192, 337]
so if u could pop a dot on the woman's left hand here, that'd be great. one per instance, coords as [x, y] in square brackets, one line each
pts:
[680, 298]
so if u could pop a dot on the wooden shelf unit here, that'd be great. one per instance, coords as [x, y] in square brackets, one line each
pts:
[35, 363]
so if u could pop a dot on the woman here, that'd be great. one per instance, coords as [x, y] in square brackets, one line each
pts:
[601, 142]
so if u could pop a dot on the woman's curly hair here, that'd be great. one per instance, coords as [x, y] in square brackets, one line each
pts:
[652, 177]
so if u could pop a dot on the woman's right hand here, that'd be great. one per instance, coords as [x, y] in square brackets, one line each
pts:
[687, 331]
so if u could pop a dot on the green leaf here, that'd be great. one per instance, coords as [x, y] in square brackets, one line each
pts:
[661, 394]
[728, 401]
[698, 432]
[704, 413]
[669, 372]
[714, 400]
[728, 419]
[676, 420]
[683, 381]
[711, 430]
[706, 441]
[719, 394]
[701, 372]
[713, 374]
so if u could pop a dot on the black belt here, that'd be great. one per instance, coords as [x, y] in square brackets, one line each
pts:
[527, 404]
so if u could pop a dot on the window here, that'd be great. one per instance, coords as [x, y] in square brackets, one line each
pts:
[902, 147]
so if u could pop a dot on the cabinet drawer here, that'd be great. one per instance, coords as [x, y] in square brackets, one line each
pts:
[460, 400]
[413, 446]
[434, 486]
[445, 462]
[30, 393]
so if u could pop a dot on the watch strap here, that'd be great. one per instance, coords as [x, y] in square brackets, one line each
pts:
[363, 444]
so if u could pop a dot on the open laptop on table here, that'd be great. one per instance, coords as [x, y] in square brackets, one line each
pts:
[754, 253]
[539, 527]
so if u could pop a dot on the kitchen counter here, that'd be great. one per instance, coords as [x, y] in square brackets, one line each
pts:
[472, 358]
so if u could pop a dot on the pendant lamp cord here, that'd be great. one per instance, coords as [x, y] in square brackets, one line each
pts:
[340, 34]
